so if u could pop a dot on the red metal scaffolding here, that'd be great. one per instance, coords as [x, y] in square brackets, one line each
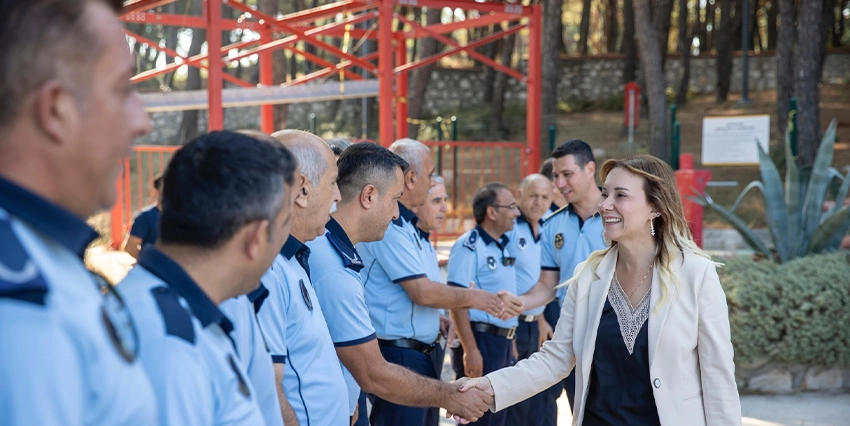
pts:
[389, 65]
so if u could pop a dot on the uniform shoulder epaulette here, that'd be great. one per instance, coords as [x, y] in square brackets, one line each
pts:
[178, 321]
[556, 212]
[471, 240]
[19, 277]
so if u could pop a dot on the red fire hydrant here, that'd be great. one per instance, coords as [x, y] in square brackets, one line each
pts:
[690, 182]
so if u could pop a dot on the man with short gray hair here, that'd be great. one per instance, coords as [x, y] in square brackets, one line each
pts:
[404, 300]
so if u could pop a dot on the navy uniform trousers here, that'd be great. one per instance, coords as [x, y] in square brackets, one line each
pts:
[496, 354]
[532, 411]
[385, 413]
[551, 395]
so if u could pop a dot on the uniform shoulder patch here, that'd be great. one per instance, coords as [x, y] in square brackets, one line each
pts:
[19, 277]
[471, 240]
[556, 212]
[178, 321]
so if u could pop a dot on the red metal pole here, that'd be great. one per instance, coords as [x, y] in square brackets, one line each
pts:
[116, 225]
[534, 87]
[267, 124]
[401, 88]
[385, 73]
[215, 85]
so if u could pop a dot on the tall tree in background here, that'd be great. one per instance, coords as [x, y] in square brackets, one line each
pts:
[500, 86]
[661, 15]
[551, 68]
[422, 76]
[584, 27]
[784, 62]
[685, 42]
[648, 38]
[772, 16]
[189, 121]
[629, 46]
[271, 7]
[612, 27]
[807, 75]
[724, 51]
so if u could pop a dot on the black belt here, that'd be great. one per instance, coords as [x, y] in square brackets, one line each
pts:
[408, 344]
[483, 327]
[528, 318]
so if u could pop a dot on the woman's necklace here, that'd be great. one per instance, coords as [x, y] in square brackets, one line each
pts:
[640, 284]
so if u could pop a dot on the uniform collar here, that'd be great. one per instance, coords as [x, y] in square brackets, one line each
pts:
[405, 214]
[56, 222]
[178, 280]
[296, 248]
[570, 210]
[340, 241]
[422, 234]
[487, 238]
[258, 296]
[554, 207]
[522, 219]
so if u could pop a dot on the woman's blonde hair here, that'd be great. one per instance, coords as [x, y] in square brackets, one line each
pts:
[672, 234]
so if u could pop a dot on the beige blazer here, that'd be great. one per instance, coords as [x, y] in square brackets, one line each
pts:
[690, 350]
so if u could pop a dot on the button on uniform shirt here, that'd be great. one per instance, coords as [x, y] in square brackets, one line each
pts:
[477, 256]
[335, 269]
[568, 240]
[253, 351]
[526, 248]
[400, 256]
[298, 338]
[62, 361]
[146, 225]
[186, 347]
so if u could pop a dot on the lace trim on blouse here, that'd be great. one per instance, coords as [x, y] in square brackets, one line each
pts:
[630, 319]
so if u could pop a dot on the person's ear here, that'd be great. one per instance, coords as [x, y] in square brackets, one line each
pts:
[56, 112]
[591, 167]
[410, 179]
[255, 236]
[368, 196]
[491, 213]
[304, 192]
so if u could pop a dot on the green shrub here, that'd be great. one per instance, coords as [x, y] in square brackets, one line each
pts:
[614, 102]
[796, 312]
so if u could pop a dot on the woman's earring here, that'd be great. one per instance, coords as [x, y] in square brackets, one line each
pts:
[652, 227]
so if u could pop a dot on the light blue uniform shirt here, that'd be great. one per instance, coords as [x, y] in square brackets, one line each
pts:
[400, 256]
[298, 338]
[253, 351]
[525, 247]
[476, 256]
[568, 240]
[335, 270]
[61, 361]
[186, 347]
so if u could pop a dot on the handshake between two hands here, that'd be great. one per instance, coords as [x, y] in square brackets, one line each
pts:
[470, 399]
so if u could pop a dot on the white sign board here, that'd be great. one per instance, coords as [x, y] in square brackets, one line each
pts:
[732, 140]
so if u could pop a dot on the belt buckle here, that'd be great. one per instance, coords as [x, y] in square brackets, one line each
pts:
[511, 333]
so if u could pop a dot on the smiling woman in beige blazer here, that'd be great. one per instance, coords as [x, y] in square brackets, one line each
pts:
[644, 322]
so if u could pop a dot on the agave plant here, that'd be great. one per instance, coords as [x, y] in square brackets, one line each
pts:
[798, 226]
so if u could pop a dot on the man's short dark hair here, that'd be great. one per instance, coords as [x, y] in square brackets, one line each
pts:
[578, 149]
[41, 40]
[546, 168]
[218, 183]
[339, 144]
[366, 163]
[485, 197]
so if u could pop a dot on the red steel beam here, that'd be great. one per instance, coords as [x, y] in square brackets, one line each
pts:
[534, 85]
[188, 21]
[322, 11]
[134, 6]
[480, 42]
[514, 9]
[302, 34]
[385, 73]
[489, 19]
[319, 61]
[267, 124]
[214, 80]
[483, 58]
[401, 88]
[192, 61]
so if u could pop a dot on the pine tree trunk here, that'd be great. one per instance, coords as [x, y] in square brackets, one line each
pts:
[785, 36]
[270, 7]
[772, 17]
[724, 51]
[189, 122]
[629, 44]
[422, 76]
[711, 20]
[650, 60]
[612, 27]
[551, 68]
[661, 16]
[685, 42]
[584, 27]
[699, 27]
[808, 73]
[497, 125]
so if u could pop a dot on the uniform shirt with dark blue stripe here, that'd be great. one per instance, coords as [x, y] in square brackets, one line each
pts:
[146, 225]
[477, 256]
[186, 347]
[298, 337]
[60, 362]
[525, 247]
[400, 256]
[568, 240]
[335, 270]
